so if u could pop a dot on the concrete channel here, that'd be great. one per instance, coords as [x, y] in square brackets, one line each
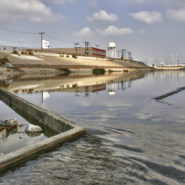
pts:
[66, 130]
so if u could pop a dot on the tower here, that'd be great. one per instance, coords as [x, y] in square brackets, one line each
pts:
[112, 50]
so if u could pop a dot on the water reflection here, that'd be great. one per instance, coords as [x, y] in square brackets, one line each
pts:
[73, 83]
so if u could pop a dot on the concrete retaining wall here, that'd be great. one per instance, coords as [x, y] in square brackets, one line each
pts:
[45, 119]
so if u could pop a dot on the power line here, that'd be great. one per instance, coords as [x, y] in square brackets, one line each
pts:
[16, 31]
[13, 41]
[58, 39]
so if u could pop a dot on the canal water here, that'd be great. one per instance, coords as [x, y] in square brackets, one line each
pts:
[16, 138]
[131, 138]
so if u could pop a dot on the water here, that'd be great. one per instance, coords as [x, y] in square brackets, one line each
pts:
[11, 140]
[131, 139]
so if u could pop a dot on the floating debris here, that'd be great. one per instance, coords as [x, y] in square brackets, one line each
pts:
[33, 129]
[8, 124]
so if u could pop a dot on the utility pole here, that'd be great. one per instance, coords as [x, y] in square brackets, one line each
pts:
[119, 52]
[97, 47]
[41, 36]
[129, 55]
[123, 54]
[76, 47]
[86, 48]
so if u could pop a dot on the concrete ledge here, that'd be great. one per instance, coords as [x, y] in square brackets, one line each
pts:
[170, 93]
[44, 118]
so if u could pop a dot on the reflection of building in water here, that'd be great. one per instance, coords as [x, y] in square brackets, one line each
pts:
[119, 85]
[76, 84]
[89, 89]
[45, 95]
[86, 91]
[78, 87]
[98, 87]
[112, 89]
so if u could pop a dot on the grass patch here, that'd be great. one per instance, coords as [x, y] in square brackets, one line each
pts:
[98, 71]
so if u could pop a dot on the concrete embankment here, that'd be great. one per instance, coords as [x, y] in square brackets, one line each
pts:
[47, 61]
[66, 129]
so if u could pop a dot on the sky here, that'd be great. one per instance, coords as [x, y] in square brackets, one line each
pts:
[147, 28]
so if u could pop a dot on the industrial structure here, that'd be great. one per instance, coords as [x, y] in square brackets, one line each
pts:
[80, 51]
[113, 53]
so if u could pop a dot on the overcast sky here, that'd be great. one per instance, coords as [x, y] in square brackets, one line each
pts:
[145, 27]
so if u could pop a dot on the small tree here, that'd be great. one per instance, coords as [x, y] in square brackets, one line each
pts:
[74, 56]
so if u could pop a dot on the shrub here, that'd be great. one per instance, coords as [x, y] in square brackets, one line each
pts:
[15, 52]
[23, 52]
[74, 56]
[98, 71]
[30, 52]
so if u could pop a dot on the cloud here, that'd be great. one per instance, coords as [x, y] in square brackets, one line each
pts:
[176, 14]
[84, 32]
[115, 31]
[103, 16]
[168, 3]
[32, 10]
[147, 17]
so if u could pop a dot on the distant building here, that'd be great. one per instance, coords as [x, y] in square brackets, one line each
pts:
[45, 44]
[91, 51]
